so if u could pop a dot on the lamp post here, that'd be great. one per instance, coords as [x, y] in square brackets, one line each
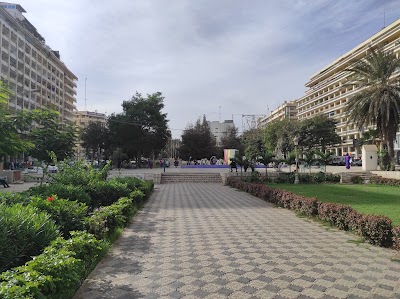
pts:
[296, 144]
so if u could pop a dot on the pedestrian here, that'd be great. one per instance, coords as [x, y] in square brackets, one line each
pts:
[347, 160]
[176, 162]
[4, 182]
[233, 165]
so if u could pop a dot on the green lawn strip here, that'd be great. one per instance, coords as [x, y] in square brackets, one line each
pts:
[366, 199]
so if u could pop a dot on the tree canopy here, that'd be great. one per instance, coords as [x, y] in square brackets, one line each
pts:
[95, 139]
[231, 140]
[142, 128]
[197, 141]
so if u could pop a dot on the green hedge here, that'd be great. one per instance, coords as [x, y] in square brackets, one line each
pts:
[68, 215]
[24, 232]
[56, 273]
[71, 192]
[374, 229]
[384, 181]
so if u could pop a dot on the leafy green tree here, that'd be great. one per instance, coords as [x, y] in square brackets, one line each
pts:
[324, 158]
[142, 128]
[257, 152]
[377, 103]
[231, 140]
[95, 139]
[318, 132]
[12, 126]
[198, 141]
[51, 136]
[279, 136]
[309, 158]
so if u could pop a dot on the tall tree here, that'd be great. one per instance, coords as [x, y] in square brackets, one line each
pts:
[95, 139]
[318, 132]
[231, 140]
[50, 135]
[12, 127]
[142, 128]
[197, 141]
[279, 136]
[377, 103]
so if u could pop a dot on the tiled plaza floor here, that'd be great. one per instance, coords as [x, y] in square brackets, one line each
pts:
[212, 241]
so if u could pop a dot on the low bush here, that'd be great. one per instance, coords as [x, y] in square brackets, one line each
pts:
[396, 237]
[284, 178]
[305, 178]
[24, 232]
[384, 181]
[374, 229]
[70, 192]
[104, 220]
[137, 196]
[69, 215]
[319, 178]
[356, 179]
[105, 193]
[56, 273]
[9, 198]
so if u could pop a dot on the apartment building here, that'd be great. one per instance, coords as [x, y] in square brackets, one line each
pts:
[33, 71]
[82, 120]
[219, 129]
[288, 110]
[328, 93]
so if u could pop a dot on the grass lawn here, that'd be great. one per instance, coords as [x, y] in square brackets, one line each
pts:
[367, 199]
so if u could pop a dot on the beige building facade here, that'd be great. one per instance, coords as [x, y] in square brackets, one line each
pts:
[33, 71]
[328, 93]
[82, 120]
[288, 110]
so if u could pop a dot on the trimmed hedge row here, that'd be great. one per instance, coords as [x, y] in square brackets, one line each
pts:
[374, 229]
[56, 273]
[384, 181]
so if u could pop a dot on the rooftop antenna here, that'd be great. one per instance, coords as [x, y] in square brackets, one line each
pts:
[384, 18]
[85, 94]
[219, 113]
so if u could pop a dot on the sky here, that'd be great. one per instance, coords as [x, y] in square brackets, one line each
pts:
[219, 58]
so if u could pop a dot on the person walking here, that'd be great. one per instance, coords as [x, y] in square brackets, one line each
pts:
[4, 182]
[347, 160]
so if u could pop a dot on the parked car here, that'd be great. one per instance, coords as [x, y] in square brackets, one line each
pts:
[356, 162]
[337, 161]
[52, 168]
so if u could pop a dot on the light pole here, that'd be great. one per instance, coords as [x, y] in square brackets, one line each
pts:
[296, 144]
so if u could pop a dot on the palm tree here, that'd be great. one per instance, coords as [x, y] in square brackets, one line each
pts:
[309, 158]
[378, 101]
[324, 158]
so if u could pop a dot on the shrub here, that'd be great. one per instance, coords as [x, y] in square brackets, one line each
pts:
[318, 178]
[137, 196]
[335, 214]
[396, 237]
[356, 179]
[376, 230]
[104, 220]
[62, 191]
[384, 181]
[24, 232]
[255, 176]
[56, 273]
[69, 215]
[333, 178]
[284, 178]
[305, 178]
[105, 193]
[9, 198]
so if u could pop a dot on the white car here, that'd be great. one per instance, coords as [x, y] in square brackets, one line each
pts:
[52, 168]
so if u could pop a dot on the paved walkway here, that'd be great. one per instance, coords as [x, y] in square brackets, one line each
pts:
[211, 241]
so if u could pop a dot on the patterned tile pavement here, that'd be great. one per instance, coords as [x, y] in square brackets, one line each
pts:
[212, 241]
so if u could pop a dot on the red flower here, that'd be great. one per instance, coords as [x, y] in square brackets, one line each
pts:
[50, 198]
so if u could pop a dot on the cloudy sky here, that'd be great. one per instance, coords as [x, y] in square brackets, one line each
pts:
[220, 58]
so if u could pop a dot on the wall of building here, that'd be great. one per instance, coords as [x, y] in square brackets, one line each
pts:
[219, 129]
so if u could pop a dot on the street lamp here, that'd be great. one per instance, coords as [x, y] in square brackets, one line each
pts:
[296, 144]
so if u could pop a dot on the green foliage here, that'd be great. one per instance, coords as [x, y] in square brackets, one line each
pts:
[24, 232]
[197, 141]
[12, 124]
[105, 193]
[142, 128]
[384, 181]
[70, 192]
[396, 237]
[9, 198]
[378, 100]
[56, 273]
[68, 215]
[231, 140]
[356, 179]
[50, 135]
[105, 220]
[95, 138]
[318, 132]
[279, 136]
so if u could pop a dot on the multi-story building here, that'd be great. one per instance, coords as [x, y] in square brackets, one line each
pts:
[288, 110]
[31, 69]
[172, 147]
[328, 93]
[219, 129]
[82, 120]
